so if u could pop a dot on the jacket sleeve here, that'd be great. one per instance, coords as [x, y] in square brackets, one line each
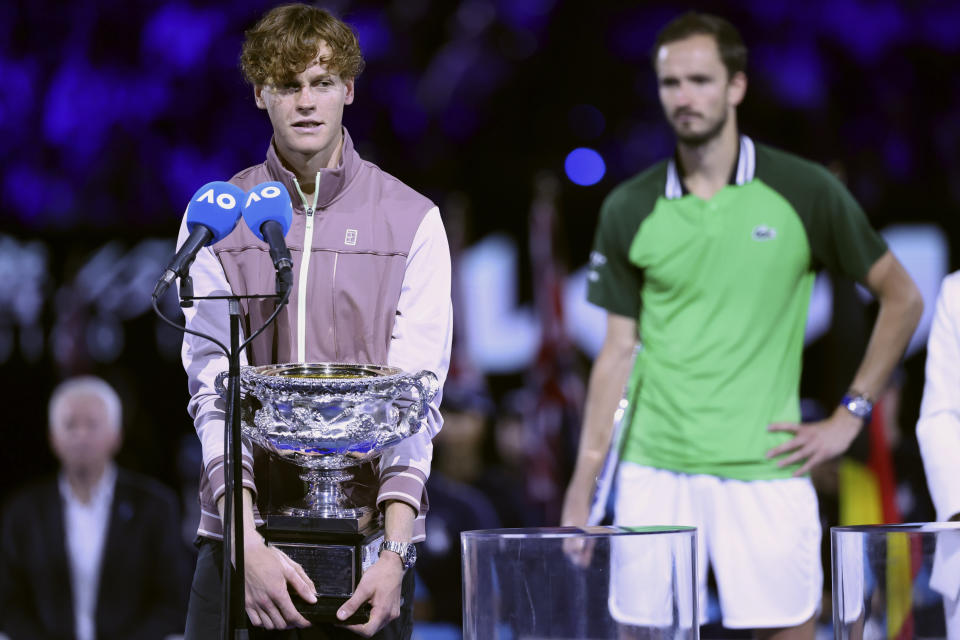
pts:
[421, 339]
[19, 617]
[938, 429]
[166, 606]
[203, 360]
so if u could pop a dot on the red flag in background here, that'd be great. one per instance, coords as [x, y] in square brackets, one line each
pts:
[553, 382]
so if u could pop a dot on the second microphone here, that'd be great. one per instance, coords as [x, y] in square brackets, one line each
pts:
[269, 214]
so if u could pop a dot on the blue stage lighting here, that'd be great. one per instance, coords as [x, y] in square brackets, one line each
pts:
[584, 166]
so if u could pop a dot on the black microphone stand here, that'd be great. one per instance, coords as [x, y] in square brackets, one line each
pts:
[233, 595]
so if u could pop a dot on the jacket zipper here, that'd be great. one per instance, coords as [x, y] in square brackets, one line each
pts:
[305, 268]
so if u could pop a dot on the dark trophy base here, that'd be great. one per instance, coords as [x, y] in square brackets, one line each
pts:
[334, 552]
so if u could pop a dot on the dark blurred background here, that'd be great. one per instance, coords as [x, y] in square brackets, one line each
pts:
[112, 113]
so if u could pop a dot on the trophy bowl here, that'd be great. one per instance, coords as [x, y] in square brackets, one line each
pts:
[328, 417]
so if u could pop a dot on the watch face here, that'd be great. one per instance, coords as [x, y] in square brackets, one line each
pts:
[858, 406]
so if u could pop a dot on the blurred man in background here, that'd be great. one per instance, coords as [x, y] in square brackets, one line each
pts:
[94, 552]
[709, 258]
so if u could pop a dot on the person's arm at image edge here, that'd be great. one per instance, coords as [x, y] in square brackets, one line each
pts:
[938, 428]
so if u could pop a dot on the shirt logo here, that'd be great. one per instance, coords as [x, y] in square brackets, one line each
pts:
[597, 260]
[351, 238]
[762, 233]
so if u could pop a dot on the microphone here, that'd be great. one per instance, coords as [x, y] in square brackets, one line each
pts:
[213, 212]
[269, 214]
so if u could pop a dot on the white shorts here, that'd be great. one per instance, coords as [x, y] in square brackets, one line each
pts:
[762, 539]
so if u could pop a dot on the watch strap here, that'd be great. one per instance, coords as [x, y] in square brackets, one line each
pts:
[405, 550]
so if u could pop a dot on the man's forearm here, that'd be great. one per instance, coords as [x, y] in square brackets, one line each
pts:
[607, 380]
[249, 522]
[896, 322]
[398, 525]
[398, 521]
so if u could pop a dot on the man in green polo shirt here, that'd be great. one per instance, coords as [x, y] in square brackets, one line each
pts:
[708, 258]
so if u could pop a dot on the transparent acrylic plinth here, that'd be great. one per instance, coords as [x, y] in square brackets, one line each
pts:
[896, 581]
[569, 583]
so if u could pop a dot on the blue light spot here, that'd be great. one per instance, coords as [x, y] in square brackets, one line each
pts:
[584, 166]
[142, 99]
[179, 36]
[376, 39]
[16, 100]
[940, 25]
[79, 110]
[187, 168]
[880, 26]
[528, 14]
[795, 73]
[21, 184]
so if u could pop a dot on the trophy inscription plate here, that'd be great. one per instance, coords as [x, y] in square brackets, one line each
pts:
[333, 566]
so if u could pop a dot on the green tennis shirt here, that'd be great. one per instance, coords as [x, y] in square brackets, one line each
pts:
[720, 289]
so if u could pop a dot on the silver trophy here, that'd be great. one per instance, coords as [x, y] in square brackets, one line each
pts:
[327, 419]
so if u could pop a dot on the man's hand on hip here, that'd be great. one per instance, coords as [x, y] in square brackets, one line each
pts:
[815, 442]
[380, 586]
[268, 571]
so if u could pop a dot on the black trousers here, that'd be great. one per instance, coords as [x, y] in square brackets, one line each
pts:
[203, 611]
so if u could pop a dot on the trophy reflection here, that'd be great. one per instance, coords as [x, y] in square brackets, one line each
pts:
[327, 419]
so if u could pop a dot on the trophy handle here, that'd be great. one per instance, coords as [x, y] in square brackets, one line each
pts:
[218, 384]
[426, 385]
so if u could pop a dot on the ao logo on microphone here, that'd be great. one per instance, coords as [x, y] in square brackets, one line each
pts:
[270, 191]
[224, 200]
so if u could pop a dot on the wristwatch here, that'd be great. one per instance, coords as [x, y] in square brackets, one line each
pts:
[406, 551]
[859, 404]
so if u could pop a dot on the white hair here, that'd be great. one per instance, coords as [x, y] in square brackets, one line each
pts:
[85, 386]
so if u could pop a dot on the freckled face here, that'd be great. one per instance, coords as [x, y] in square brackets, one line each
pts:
[306, 111]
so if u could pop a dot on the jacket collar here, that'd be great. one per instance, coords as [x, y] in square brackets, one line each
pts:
[332, 181]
